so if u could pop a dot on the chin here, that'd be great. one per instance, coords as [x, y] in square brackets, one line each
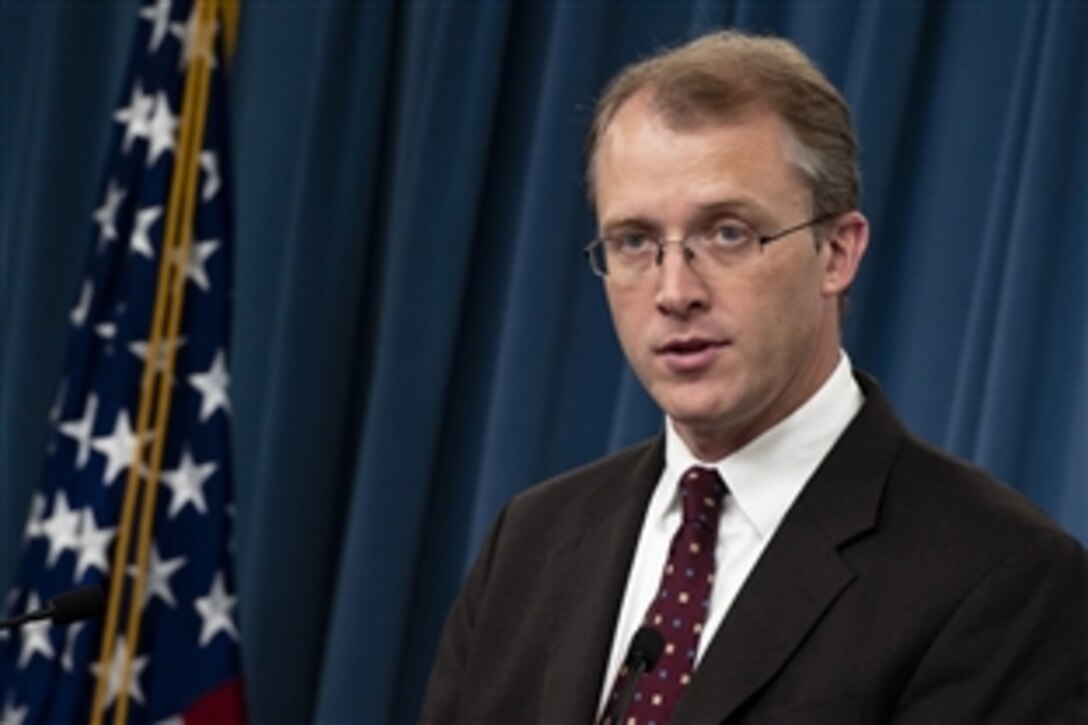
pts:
[706, 410]
[696, 415]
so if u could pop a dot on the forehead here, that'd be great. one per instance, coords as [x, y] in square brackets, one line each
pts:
[649, 164]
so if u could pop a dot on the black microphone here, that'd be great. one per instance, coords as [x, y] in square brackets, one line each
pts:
[65, 608]
[645, 649]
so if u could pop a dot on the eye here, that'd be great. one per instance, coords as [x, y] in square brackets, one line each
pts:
[730, 234]
[631, 242]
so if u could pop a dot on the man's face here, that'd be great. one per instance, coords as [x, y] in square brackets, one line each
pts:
[725, 351]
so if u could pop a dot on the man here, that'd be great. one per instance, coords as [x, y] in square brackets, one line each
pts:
[798, 555]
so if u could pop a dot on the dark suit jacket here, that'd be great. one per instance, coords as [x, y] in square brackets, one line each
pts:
[903, 585]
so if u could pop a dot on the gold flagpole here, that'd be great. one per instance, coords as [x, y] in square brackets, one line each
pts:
[176, 247]
[166, 321]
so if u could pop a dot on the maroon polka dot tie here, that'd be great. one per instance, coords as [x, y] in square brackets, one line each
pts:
[680, 607]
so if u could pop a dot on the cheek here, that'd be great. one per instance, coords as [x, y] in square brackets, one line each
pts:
[627, 318]
[615, 304]
[778, 304]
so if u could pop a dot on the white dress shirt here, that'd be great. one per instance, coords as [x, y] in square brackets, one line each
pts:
[763, 479]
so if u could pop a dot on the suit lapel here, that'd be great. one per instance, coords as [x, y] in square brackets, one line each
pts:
[797, 579]
[801, 572]
[588, 574]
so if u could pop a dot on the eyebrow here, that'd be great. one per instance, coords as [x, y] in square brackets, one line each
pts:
[749, 211]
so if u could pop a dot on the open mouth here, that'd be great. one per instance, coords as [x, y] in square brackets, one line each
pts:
[690, 355]
[684, 347]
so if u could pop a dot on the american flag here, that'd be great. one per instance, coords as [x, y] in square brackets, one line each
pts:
[136, 492]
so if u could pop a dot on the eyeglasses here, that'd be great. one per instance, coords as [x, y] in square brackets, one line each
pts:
[629, 255]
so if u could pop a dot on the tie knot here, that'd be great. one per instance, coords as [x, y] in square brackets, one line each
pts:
[702, 490]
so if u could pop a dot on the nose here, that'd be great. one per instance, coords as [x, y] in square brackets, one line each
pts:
[681, 292]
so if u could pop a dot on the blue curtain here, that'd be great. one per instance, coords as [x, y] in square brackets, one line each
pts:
[416, 335]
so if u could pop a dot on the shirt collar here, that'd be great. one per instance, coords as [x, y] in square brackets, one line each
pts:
[765, 476]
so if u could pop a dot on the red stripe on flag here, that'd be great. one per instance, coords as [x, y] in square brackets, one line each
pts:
[222, 706]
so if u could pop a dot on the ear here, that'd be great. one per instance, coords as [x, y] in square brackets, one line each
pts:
[844, 247]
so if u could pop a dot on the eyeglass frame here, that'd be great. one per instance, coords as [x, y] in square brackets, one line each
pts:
[659, 258]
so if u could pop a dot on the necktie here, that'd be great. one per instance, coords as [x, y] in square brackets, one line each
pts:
[679, 609]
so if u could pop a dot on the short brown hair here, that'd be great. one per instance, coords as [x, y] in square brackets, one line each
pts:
[718, 75]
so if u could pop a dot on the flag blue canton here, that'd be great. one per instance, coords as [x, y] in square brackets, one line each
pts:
[186, 664]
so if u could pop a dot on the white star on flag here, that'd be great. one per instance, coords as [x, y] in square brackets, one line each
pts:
[93, 544]
[141, 237]
[61, 528]
[197, 39]
[213, 387]
[139, 349]
[106, 215]
[162, 128]
[209, 163]
[118, 447]
[106, 330]
[34, 522]
[136, 116]
[58, 404]
[187, 483]
[198, 257]
[214, 611]
[159, 16]
[80, 311]
[80, 431]
[35, 636]
[158, 577]
[117, 666]
[13, 715]
[67, 658]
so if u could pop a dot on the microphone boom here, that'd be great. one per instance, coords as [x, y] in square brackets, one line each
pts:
[67, 607]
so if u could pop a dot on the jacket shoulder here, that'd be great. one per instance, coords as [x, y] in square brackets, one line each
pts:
[618, 474]
[962, 495]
